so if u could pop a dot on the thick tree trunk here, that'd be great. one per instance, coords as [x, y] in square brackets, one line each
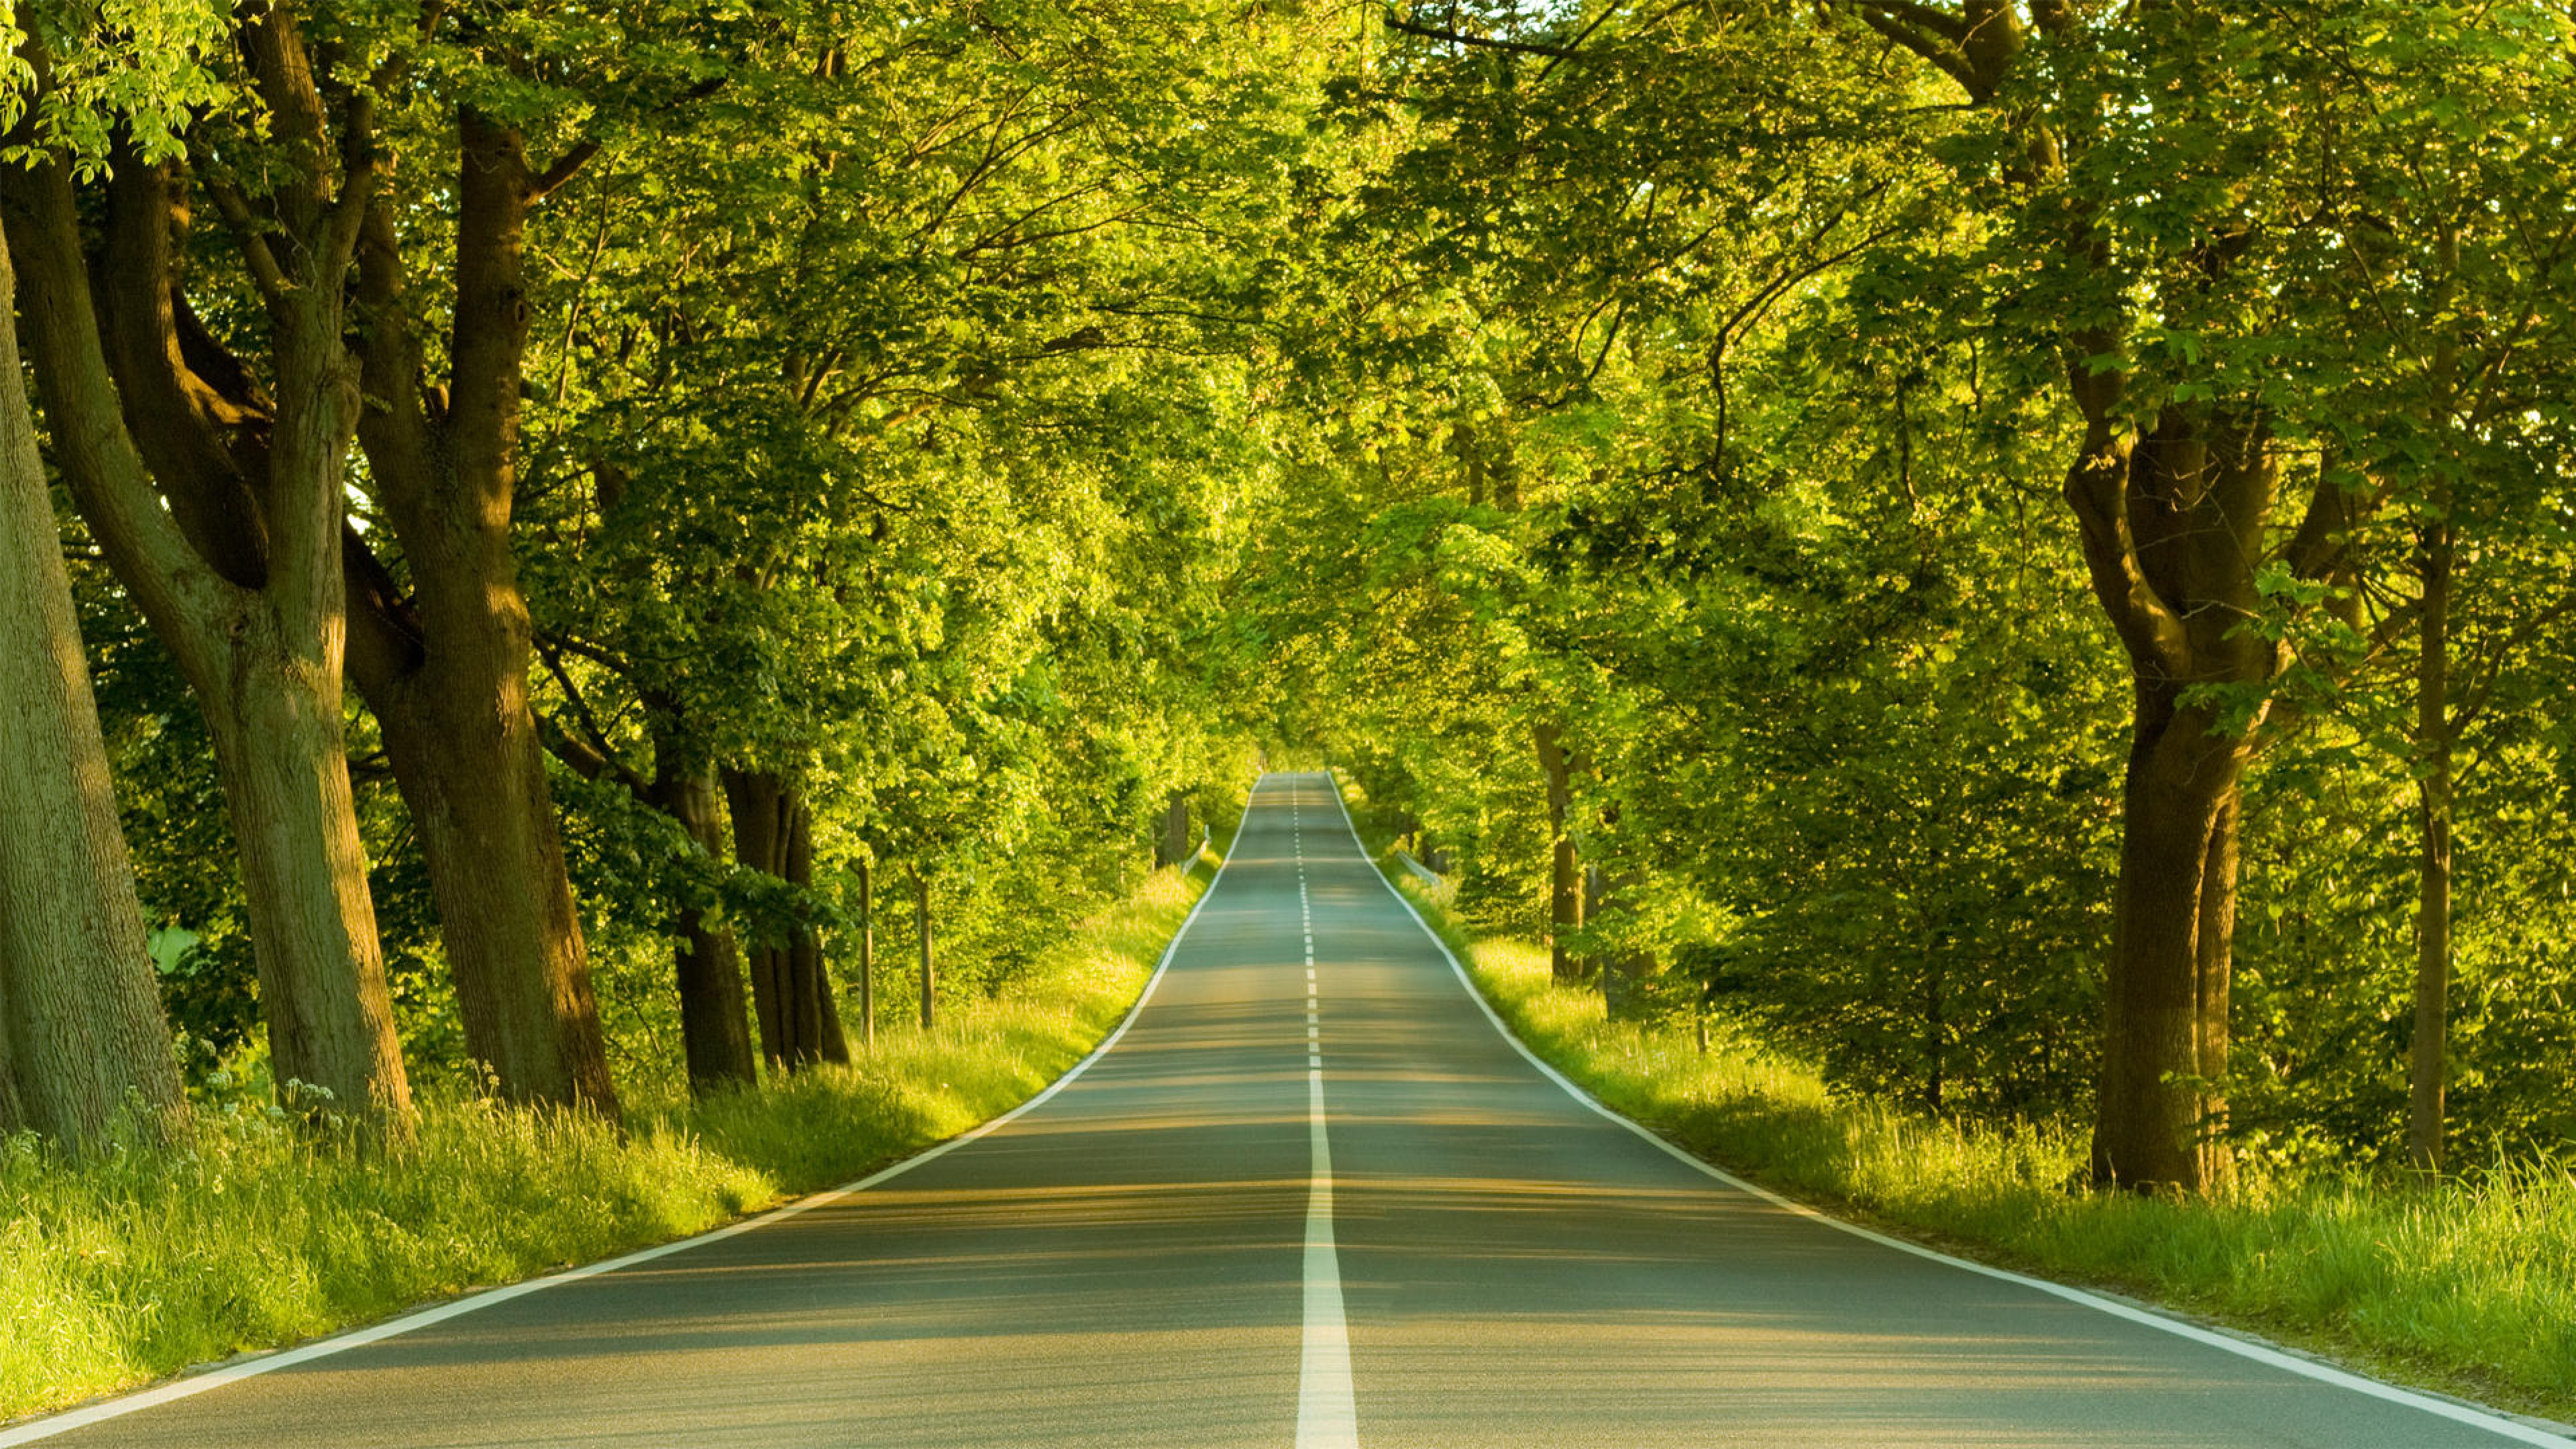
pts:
[80, 1014]
[255, 618]
[2165, 1037]
[2173, 532]
[818, 1008]
[759, 807]
[760, 842]
[13, 1113]
[1564, 871]
[713, 1035]
[279, 751]
[921, 927]
[2429, 1066]
[1174, 846]
[867, 954]
[446, 670]
[466, 756]
[791, 990]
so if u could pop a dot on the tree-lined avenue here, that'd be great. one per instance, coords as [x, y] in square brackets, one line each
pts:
[1122, 1265]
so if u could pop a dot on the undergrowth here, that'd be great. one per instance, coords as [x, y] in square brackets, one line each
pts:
[119, 1270]
[2467, 1284]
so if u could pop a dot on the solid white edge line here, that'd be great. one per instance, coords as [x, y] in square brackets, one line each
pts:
[65, 1422]
[2259, 1353]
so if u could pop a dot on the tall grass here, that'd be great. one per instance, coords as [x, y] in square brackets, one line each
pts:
[2468, 1284]
[121, 1270]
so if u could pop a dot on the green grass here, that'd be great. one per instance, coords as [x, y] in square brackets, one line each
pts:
[2466, 1286]
[120, 1271]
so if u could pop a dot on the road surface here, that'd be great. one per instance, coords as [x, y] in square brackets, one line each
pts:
[1311, 1196]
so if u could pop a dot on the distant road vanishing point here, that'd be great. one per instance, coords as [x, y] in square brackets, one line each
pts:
[1309, 1195]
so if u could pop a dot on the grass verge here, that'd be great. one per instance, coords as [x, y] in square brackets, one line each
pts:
[2466, 1286]
[120, 1271]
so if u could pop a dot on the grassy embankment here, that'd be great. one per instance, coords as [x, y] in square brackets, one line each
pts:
[114, 1273]
[2466, 1286]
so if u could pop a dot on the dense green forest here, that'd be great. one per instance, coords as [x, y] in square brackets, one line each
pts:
[2020, 551]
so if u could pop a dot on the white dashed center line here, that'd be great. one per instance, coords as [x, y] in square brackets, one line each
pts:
[1326, 1418]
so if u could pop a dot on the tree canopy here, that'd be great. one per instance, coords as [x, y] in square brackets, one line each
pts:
[2020, 548]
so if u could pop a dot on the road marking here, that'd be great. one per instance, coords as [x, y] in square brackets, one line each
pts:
[1325, 1416]
[2456, 1412]
[33, 1430]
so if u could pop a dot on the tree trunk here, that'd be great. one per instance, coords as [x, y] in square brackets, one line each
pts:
[791, 990]
[281, 757]
[760, 842]
[2424, 1109]
[1595, 897]
[921, 926]
[818, 1010]
[2174, 526]
[1174, 847]
[867, 953]
[80, 1014]
[13, 1113]
[2165, 1027]
[250, 606]
[474, 777]
[713, 1035]
[1564, 873]
[446, 669]
[1614, 894]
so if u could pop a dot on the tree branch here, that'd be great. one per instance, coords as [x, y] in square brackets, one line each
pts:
[1451, 37]
[107, 476]
[257, 255]
[545, 183]
[2098, 491]
[593, 756]
[190, 407]
[1930, 49]
[1937, 21]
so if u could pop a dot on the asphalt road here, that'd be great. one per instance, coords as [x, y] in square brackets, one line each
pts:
[1317, 1204]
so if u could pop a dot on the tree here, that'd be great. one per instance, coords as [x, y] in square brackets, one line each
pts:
[219, 503]
[80, 1020]
[854, 421]
[2443, 397]
[2127, 163]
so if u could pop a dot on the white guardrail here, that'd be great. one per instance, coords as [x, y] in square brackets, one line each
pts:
[1441, 887]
